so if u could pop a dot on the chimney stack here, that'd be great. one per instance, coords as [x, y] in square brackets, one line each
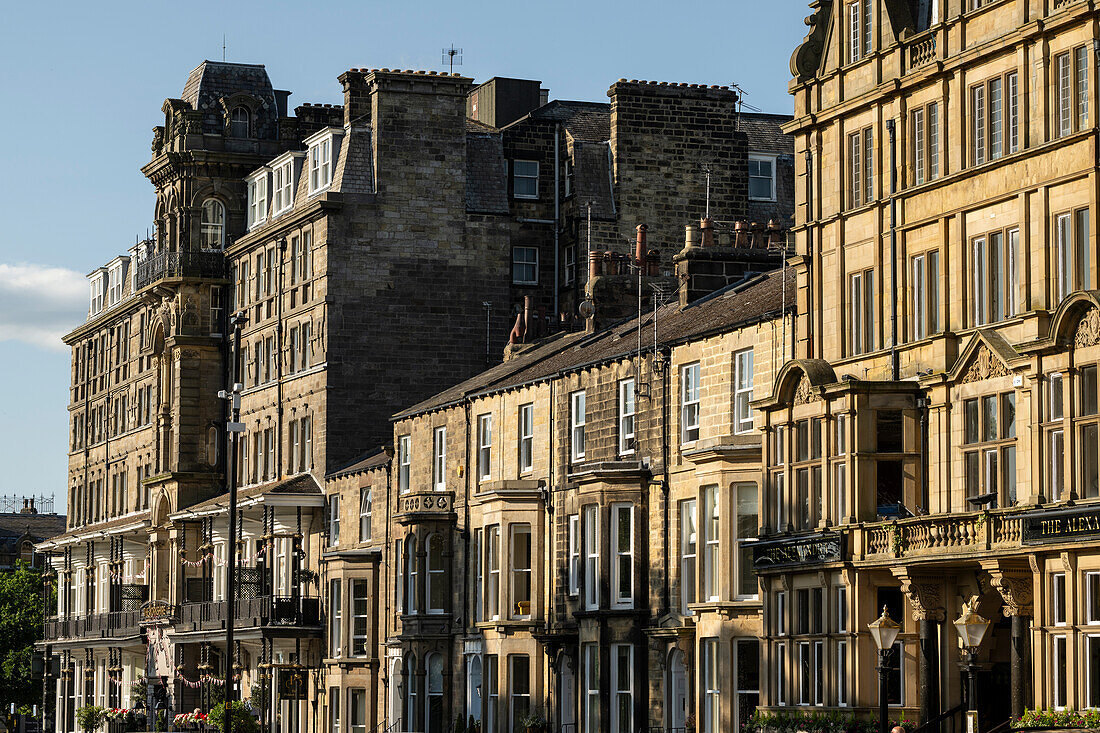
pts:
[705, 269]
[639, 247]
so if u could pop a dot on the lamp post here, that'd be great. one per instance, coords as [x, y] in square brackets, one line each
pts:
[972, 629]
[884, 630]
[233, 430]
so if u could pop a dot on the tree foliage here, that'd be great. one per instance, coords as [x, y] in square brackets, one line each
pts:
[21, 619]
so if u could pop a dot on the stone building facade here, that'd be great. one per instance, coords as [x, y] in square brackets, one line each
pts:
[378, 252]
[930, 448]
[567, 535]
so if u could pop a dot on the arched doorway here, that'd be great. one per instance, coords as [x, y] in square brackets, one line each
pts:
[473, 687]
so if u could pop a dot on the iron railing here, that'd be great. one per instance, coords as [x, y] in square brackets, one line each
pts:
[112, 625]
[179, 264]
[952, 720]
[250, 612]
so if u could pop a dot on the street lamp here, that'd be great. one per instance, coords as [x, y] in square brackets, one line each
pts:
[972, 629]
[884, 630]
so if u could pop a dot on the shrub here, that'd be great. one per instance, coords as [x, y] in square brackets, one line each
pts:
[241, 715]
[90, 717]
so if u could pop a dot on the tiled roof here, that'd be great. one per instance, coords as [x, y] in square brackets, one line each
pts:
[736, 305]
[211, 80]
[763, 133]
[37, 526]
[354, 171]
[365, 463]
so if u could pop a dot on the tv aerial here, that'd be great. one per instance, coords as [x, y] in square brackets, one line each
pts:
[452, 56]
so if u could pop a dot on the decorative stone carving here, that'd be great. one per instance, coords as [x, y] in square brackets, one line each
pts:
[1016, 590]
[158, 139]
[1088, 329]
[806, 59]
[984, 366]
[805, 394]
[926, 597]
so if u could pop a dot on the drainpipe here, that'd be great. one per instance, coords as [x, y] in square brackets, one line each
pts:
[666, 419]
[557, 219]
[279, 368]
[895, 365]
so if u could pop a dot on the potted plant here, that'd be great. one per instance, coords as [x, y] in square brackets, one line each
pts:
[90, 717]
[239, 712]
[533, 723]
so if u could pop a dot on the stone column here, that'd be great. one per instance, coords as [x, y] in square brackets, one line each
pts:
[925, 595]
[1015, 584]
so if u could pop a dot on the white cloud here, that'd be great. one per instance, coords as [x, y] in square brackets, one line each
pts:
[40, 304]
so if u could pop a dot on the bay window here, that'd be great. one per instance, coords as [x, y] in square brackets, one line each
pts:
[688, 554]
[622, 570]
[591, 557]
[520, 554]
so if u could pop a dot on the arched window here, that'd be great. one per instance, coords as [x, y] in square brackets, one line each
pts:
[433, 722]
[473, 687]
[410, 558]
[212, 227]
[437, 591]
[240, 122]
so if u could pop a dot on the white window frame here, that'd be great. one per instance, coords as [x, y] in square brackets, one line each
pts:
[627, 417]
[484, 446]
[742, 391]
[257, 199]
[1058, 599]
[1057, 656]
[526, 176]
[744, 544]
[526, 437]
[333, 520]
[515, 529]
[689, 555]
[577, 418]
[492, 583]
[439, 458]
[359, 610]
[336, 618]
[574, 523]
[590, 661]
[518, 279]
[712, 549]
[320, 163]
[781, 674]
[591, 534]
[283, 187]
[771, 161]
[619, 690]
[366, 512]
[1092, 597]
[689, 403]
[622, 554]
[404, 463]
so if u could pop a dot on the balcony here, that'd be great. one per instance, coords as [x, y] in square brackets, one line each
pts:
[166, 265]
[269, 611]
[941, 535]
[113, 625]
[920, 50]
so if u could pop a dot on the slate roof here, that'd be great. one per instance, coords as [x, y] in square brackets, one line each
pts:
[763, 133]
[736, 305]
[371, 460]
[582, 120]
[486, 170]
[211, 80]
[354, 172]
[104, 526]
[37, 526]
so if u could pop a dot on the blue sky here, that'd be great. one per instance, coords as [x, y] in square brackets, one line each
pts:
[83, 84]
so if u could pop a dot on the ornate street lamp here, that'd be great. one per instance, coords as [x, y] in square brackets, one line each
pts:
[884, 630]
[972, 629]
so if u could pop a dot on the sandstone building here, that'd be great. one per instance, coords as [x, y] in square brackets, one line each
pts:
[933, 442]
[379, 251]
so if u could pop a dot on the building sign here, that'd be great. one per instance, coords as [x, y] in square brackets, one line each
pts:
[157, 613]
[1061, 526]
[292, 684]
[801, 551]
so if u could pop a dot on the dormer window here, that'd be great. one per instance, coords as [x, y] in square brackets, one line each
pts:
[282, 187]
[240, 122]
[257, 199]
[98, 293]
[114, 289]
[320, 165]
[212, 226]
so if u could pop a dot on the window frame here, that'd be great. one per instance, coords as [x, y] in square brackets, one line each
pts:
[484, 446]
[621, 555]
[924, 288]
[690, 402]
[742, 394]
[590, 532]
[578, 419]
[517, 572]
[628, 407]
[517, 176]
[518, 279]
[366, 512]
[404, 463]
[526, 440]
[771, 178]
[439, 458]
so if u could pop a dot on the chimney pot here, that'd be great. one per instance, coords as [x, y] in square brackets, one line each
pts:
[593, 266]
[640, 248]
[691, 236]
[706, 229]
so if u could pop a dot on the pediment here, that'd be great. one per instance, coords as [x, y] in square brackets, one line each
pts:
[987, 356]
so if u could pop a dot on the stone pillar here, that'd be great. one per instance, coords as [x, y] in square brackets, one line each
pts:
[925, 596]
[1014, 583]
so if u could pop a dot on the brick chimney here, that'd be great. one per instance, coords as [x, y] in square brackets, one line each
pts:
[356, 96]
[706, 264]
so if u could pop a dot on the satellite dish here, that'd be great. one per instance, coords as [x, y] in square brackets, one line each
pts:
[586, 309]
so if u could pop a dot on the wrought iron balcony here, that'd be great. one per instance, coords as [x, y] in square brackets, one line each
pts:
[290, 611]
[112, 625]
[164, 265]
